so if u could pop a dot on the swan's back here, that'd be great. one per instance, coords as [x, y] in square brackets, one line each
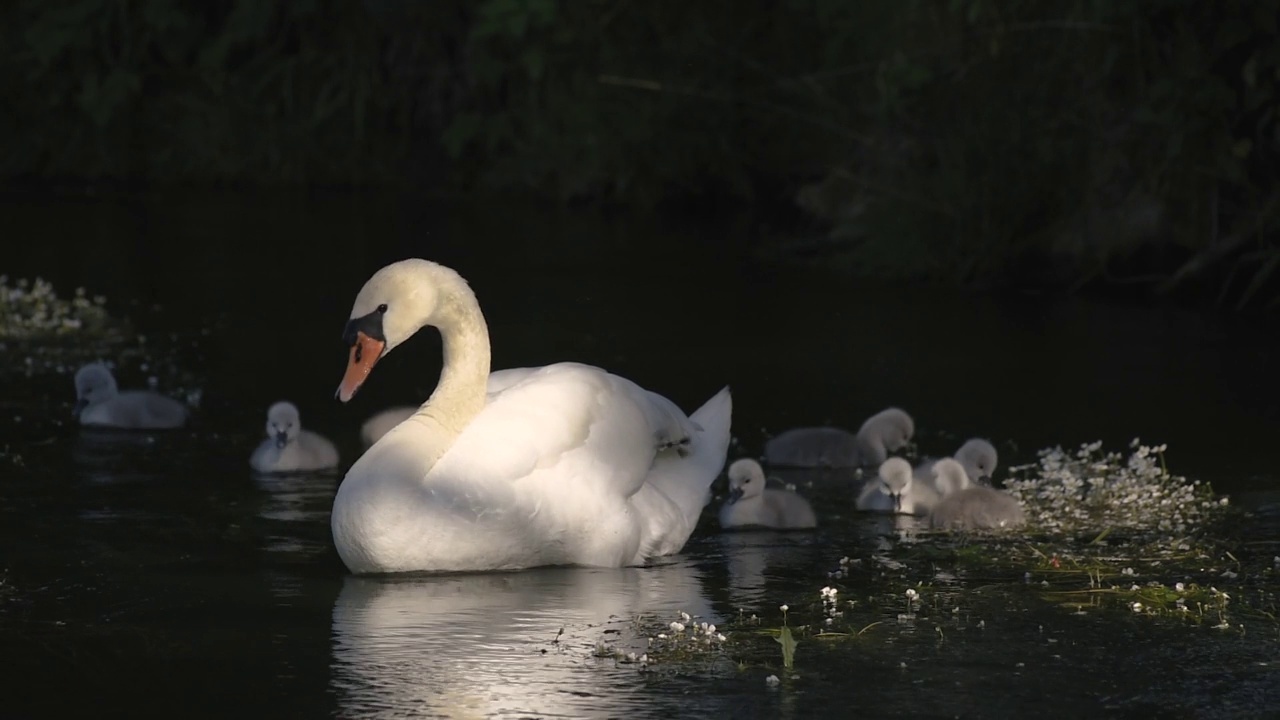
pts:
[788, 510]
[813, 447]
[977, 507]
[381, 422]
[137, 409]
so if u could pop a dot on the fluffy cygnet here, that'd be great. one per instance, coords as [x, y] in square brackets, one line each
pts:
[750, 503]
[978, 457]
[886, 431]
[894, 491]
[100, 402]
[289, 448]
[380, 423]
[966, 506]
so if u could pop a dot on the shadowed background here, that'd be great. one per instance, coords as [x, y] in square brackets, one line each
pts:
[1037, 222]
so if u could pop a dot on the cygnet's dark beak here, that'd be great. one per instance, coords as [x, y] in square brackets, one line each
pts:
[984, 480]
[282, 439]
[897, 502]
[734, 495]
[79, 407]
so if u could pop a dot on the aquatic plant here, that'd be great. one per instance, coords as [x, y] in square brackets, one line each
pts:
[1090, 490]
[675, 642]
[33, 309]
[787, 642]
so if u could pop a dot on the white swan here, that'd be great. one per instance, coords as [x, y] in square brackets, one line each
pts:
[289, 448]
[966, 506]
[100, 402]
[885, 432]
[750, 503]
[893, 490]
[978, 456]
[379, 423]
[567, 464]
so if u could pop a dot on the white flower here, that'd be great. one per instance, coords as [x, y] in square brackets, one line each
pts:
[912, 594]
[783, 608]
[772, 681]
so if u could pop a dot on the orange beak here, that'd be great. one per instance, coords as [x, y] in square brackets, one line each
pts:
[364, 355]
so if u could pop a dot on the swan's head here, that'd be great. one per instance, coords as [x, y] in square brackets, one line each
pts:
[94, 384]
[978, 458]
[950, 476]
[283, 423]
[895, 481]
[746, 480]
[398, 301]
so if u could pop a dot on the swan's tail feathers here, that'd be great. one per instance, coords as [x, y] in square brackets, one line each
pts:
[672, 428]
[684, 479]
[711, 445]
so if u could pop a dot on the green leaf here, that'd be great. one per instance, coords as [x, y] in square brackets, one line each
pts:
[788, 644]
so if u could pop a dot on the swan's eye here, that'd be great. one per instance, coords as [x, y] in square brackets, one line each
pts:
[382, 308]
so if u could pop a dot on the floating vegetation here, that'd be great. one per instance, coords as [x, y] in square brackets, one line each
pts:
[656, 645]
[33, 310]
[1095, 491]
[1109, 533]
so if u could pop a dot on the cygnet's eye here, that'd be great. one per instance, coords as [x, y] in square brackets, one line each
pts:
[382, 308]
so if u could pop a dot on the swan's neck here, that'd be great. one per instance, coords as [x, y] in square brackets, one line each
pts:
[460, 394]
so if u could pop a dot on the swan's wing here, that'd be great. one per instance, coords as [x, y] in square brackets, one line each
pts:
[500, 380]
[573, 424]
[146, 409]
[320, 452]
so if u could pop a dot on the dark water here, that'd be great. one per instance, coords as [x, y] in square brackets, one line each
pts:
[153, 573]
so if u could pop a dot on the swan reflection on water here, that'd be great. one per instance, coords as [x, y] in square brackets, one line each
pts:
[488, 644]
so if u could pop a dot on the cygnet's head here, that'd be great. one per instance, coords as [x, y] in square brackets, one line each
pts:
[895, 481]
[398, 301]
[979, 459]
[283, 423]
[94, 384]
[891, 429]
[950, 476]
[746, 480]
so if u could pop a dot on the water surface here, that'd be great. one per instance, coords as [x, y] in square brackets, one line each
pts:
[153, 572]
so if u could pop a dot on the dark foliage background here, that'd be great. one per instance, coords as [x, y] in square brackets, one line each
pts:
[977, 142]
